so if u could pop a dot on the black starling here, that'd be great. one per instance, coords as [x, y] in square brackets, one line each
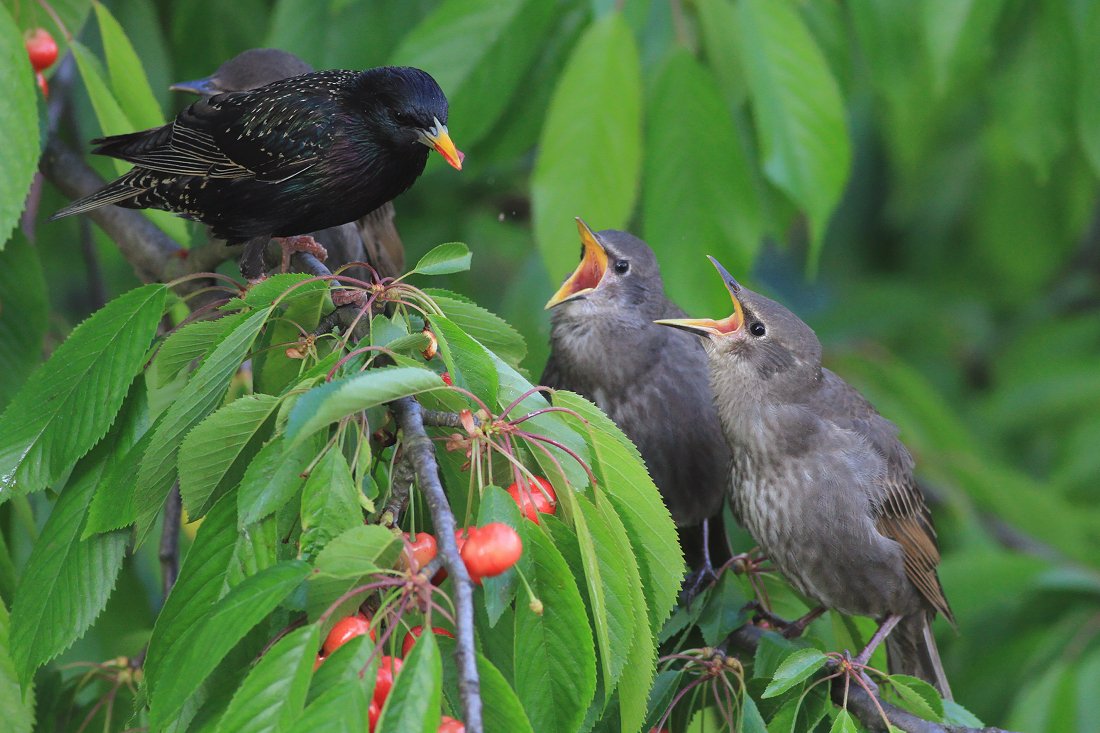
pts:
[298, 155]
[374, 237]
[821, 480]
[651, 381]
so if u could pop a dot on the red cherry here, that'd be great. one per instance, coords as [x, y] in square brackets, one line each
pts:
[450, 725]
[423, 548]
[531, 498]
[492, 549]
[41, 48]
[373, 713]
[345, 630]
[461, 535]
[414, 634]
[42, 85]
[317, 662]
[383, 683]
[446, 377]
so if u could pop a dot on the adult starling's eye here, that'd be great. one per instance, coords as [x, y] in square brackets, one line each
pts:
[622, 266]
[757, 329]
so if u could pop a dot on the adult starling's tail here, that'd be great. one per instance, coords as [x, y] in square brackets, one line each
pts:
[911, 649]
[119, 191]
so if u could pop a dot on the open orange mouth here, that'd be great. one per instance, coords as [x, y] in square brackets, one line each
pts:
[708, 326]
[589, 272]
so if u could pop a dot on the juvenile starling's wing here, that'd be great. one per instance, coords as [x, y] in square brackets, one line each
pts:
[898, 507]
[552, 374]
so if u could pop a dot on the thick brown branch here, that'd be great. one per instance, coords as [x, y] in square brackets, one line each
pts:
[421, 454]
[860, 703]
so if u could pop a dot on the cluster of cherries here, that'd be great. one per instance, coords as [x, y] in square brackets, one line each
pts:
[42, 51]
[349, 628]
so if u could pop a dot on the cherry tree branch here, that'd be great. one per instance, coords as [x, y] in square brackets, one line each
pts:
[421, 454]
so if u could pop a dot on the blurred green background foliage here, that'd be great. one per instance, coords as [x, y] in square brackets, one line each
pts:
[917, 179]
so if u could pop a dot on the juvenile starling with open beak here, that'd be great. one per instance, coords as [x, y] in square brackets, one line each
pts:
[651, 381]
[301, 154]
[374, 238]
[821, 480]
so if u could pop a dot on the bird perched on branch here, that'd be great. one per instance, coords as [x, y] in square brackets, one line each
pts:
[374, 238]
[651, 381]
[301, 154]
[821, 480]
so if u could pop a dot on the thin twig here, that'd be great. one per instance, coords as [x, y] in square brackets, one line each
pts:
[169, 553]
[421, 455]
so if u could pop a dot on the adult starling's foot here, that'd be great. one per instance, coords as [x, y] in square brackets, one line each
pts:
[883, 631]
[300, 243]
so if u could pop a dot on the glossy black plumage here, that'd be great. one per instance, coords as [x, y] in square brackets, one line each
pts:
[300, 154]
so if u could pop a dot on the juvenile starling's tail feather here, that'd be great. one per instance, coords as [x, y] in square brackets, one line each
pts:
[115, 192]
[911, 649]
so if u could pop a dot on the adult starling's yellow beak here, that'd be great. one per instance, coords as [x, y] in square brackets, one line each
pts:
[707, 327]
[589, 272]
[439, 137]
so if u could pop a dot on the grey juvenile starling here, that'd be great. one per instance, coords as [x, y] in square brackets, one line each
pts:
[374, 237]
[301, 154]
[821, 480]
[651, 381]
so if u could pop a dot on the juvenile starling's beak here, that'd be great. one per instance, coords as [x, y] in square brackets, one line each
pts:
[707, 327]
[203, 87]
[439, 138]
[589, 272]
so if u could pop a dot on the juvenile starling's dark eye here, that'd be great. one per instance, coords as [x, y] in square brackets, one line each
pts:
[622, 266]
[757, 329]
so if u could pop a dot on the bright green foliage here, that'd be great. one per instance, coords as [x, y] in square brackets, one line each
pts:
[918, 180]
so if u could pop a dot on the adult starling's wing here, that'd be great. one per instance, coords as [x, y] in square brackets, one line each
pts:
[898, 506]
[270, 134]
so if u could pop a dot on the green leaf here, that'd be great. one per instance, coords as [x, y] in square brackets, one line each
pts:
[214, 455]
[623, 478]
[794, 669]
[341, 708]
[478, 51]
[555, 662]
[67, 580]
[196, 655]
[590, 152]
[413, 704]
[698, 195]
[1088, 90]
[68, 403]
[360, 551]
[444, 259]
[18, 706]
[274, 476]
[112, 506]
[23, 313]
[956, 714]
[334, 401]
[200, 584]
[958, 35]
[330, 503]
[844, 723]
[798, 109]
[915, 695]
[274, 692]
[128, 80]
[113, 121]
[469, 362]
[489, 329]
[185, 345]
[18, 125]
[501, 709]
[718, 26]
[204, 391]
[273, 370]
